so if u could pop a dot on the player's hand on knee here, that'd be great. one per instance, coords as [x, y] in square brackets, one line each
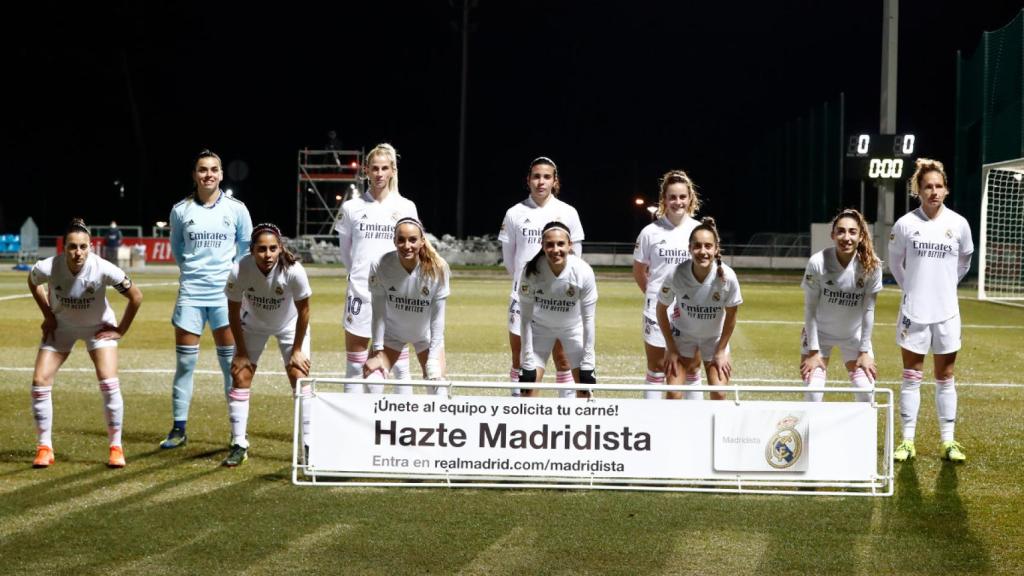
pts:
[300, 363]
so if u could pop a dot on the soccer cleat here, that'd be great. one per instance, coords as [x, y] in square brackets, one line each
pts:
[116, 457]
[236, 456]
[44, 457]
[905, 451]
[953, 451]
[175, 438]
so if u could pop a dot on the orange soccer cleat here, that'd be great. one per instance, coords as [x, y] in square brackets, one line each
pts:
[116, 457]
[44, 457]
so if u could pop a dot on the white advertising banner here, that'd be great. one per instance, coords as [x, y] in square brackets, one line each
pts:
[491, 436]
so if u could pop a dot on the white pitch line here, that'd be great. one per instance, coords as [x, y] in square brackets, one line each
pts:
[974, 326]
[17, 296]
[499, 377]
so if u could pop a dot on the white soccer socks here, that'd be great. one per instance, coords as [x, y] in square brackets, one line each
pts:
[42, 410]
[910, 401]
[654, 379]
[815, 382]
[238, 414]
[945, 403]
[113, 408]
[354, 369]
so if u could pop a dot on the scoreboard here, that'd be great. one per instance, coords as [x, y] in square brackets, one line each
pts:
[879, 156]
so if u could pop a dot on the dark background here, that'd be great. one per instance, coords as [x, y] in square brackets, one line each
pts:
[617, 93]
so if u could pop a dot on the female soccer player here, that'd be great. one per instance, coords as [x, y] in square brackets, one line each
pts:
[557, 296]
[268, 295]
[704, 296]
[930, 252]
[366, 230]
[840, 286]
[209, 230]
[409, 288]
[75, 307]
[662, 245]
[520, 241]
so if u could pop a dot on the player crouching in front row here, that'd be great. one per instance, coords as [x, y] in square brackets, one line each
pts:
[705, 295]
[840, 286]
[557, 300]
[268, 295]
[75, 308]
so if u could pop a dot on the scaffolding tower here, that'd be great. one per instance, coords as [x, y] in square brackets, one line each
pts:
[326, 178]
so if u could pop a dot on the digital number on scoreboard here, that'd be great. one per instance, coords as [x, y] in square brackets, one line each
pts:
[880, 156]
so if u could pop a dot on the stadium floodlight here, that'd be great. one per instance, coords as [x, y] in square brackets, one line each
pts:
[1001, 239]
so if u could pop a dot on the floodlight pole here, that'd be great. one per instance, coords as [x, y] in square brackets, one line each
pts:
[460, 191]
[886, 188]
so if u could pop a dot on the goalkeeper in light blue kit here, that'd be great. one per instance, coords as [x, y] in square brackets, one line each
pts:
[209, 232]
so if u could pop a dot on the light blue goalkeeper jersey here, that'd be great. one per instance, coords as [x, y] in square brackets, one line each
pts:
[205, 241]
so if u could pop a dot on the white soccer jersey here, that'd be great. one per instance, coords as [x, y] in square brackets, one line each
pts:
[841, 294]
[366, 231]
[702, 305]
[408, 302]
[662, 247]
[928, 258]
[268, 301]
[562, 303]
[80, 300]
[520, 233]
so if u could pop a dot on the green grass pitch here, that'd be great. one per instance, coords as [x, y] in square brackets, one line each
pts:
[179, 512]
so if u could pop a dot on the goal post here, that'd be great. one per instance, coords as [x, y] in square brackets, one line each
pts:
[1001, 240]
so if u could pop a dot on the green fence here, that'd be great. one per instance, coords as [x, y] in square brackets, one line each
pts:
[989, 111]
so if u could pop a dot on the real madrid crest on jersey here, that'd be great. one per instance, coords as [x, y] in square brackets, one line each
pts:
[90, 287]
[786, 445]
[395, 216]
[524, 288]
[860, 282]
[227, 222]
[949, 233]
[425, 291]
[716, 296]
[570, 291]
[664, 289]
[278, 290]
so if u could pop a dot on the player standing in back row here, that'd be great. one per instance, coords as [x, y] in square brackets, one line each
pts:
[660, 247]
[520, 238]
[366, 231]
[929, 253]
[209, 231]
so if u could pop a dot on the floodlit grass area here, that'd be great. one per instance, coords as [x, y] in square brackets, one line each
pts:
[178, 512]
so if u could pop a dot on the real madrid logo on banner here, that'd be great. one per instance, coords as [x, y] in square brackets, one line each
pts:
[786, 445]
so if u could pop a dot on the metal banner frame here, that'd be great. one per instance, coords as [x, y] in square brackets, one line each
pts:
[881, 482]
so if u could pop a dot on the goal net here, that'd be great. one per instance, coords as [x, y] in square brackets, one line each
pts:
[1001, 255]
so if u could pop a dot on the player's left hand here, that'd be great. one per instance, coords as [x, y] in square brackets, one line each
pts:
[108, 332]
[723, 363]
[867, 363]
[300, 362]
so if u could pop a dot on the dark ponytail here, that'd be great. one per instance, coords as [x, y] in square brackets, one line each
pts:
[708, 223]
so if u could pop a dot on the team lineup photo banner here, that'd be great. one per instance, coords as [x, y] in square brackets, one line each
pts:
[580, 439]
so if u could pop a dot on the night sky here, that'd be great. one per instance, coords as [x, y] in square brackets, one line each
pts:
[616, 93]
